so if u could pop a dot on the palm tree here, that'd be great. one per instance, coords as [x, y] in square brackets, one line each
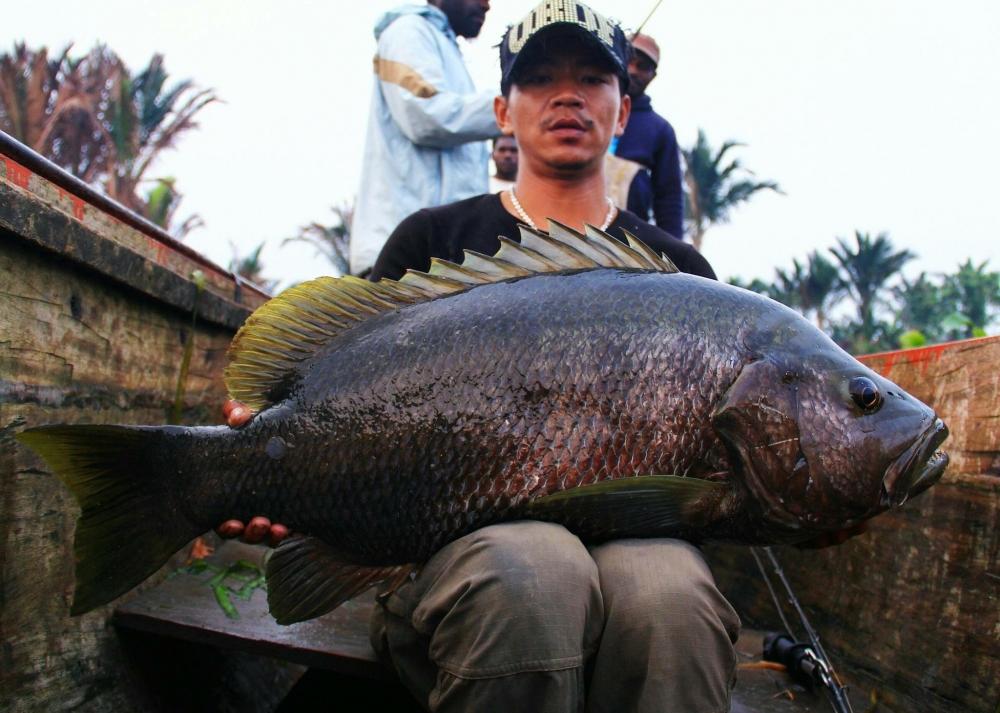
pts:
[713, 188]
[145, 118]
[923, 306]
[28, 82]
[868, 268]
[330, 241]
[162, 201]
[251, 268]
[755, 285]
[974, 291]
[55, 107]
[809, 288]
[93, 118]
[786, 286]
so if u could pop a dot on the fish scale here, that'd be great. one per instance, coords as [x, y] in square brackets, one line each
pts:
[542, 432]
[617, 401]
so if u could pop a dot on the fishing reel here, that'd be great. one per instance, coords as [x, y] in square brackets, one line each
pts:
[799, 659]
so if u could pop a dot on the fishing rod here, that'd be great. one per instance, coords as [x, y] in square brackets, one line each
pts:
[643, 23]
[809, 661]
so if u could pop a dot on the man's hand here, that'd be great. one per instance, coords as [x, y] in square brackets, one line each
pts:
[260, 529]
[838, 537]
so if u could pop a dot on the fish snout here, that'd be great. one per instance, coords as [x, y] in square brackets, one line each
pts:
[917, 468]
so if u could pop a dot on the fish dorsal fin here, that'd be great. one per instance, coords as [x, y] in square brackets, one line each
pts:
[292, 326]
[288, 329]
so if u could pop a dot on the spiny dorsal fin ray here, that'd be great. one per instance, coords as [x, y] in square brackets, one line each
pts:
[592, 249]
[290, 328]
[665, 264]
[559, 251]
[525, 257]
[627, 256]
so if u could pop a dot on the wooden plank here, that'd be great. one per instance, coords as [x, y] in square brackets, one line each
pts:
[76, 347]
[912, 608]
[760, 690]
[22, 217]
[961, 380]
[40, 202]
[184, 607]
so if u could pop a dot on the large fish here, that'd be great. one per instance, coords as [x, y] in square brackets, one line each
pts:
[570, 378]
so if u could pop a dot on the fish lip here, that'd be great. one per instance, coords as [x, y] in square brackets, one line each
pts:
[917, 468]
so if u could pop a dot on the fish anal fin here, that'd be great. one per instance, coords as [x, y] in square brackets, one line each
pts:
[634, 506]
[307, 578]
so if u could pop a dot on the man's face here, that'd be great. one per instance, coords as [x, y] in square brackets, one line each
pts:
[466, 17]
[505, 157]
[641, 71]
[564, 110]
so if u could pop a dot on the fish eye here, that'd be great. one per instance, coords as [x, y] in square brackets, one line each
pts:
[865, 393]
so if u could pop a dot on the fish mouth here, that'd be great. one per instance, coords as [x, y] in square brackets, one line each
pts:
[917, 468]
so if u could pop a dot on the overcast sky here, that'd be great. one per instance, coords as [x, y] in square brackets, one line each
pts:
[875, 115]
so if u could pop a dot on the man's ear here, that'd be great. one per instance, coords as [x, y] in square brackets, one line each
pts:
[623, 113]
[502, 114]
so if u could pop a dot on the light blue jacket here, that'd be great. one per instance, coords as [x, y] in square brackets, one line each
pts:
[424, 145]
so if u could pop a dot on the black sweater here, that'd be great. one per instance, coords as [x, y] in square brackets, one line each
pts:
[474, 224]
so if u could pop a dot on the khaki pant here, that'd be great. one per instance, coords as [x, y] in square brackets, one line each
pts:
[523, 617]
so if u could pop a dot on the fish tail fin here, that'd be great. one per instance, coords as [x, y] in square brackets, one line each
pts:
[129, 525]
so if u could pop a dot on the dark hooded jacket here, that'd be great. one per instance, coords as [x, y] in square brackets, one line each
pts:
[650, 141]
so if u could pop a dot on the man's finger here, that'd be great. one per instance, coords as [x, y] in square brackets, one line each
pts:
[278, 533]
[257, 530]
[230, 529]
[238, 415]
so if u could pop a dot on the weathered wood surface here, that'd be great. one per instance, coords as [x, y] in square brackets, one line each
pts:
[80, 343]
[911, 609]
[184, 607]
[49, 214]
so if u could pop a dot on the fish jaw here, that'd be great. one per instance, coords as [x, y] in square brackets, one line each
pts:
[917, 468]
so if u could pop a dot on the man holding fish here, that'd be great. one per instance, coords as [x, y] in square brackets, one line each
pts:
[509, 446]
[523, 616]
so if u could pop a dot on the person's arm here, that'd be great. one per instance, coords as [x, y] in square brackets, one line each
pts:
[411, 77]
[407, 248]
[668, 193]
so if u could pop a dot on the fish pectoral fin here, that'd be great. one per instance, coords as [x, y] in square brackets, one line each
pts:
[306, 578]
[630, 507]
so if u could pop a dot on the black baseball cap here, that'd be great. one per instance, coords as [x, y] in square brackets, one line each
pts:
[601, 31]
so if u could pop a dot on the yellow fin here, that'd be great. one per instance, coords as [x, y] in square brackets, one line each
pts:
[291, 327]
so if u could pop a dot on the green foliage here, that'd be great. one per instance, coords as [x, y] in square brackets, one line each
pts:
[239, 579]
[868, 267]
[92, 117]
[889, 310]
[251, 268]
[975, 292]
[330, 241]
[715, 187]
[810, 288]
[912, 339]
[755, 285]
[922, 305]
